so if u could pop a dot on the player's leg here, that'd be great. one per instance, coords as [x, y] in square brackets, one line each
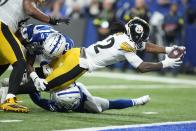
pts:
[63, 79]
[10, 48]
[97, 104]
[102, 104]
[3, 68]
[3, 94]
[126, 103]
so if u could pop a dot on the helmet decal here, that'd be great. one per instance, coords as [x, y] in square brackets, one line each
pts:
[139, 29]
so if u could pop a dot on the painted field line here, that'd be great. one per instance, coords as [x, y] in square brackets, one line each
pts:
[137, 77]
[131, 126]
[10, 121]
[136, 86]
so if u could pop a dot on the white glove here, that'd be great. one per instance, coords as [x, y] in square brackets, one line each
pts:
[169, 49]
[171, 62]
[47, 70]
[38, 82]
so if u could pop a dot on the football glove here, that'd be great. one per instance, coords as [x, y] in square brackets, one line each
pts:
[39, 83]
[56, 21]
[34, 49]
[171, 62]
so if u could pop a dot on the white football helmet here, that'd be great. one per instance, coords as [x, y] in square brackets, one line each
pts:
[54, 45]
[68, 98]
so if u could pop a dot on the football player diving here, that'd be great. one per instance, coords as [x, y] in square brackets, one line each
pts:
[121, 45]
[77, 98]
[13, 13]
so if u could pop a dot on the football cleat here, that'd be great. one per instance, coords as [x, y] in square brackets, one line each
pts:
[12, 106]
[142, 100]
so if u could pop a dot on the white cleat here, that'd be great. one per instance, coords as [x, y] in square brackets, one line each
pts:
[142, 100]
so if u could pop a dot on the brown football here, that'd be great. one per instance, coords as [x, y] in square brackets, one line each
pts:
[176, 53]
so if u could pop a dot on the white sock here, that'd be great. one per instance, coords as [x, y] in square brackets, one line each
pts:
[10, 96]
[135, 102]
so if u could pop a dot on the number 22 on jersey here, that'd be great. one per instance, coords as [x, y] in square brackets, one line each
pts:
[110, 43]
[2, 2]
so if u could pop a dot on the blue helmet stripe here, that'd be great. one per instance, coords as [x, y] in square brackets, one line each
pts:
[72, 92]
[55, 46]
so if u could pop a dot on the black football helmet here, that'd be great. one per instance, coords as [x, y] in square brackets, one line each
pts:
[138, 30]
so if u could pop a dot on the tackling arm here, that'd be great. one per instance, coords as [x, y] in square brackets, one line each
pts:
[30, 62]
[31, 9]
[44, 103]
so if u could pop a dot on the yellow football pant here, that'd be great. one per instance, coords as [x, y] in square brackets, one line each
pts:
[10, 46]
[66, 70]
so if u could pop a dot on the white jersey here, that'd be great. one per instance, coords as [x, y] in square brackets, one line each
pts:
[111, 50]
[12, 13]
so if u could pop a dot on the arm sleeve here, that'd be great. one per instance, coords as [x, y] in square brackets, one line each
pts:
[133, 59]
[43, 103]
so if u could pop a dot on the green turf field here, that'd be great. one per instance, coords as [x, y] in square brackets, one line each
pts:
[171, 104]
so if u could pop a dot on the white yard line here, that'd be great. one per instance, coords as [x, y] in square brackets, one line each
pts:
[10, 121]
[131, 126]
[137, 77]
[140, 86]
[150, 113]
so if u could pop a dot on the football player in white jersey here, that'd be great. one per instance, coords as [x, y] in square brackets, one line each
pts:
[121, 45]
[12, 14]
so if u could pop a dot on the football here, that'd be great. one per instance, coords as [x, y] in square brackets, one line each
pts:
[176, 53]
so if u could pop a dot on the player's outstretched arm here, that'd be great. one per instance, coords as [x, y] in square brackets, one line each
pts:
[156, 49]
[143, 67]
[31, 9]
[153, 48]
[167, 63]
[149, 66]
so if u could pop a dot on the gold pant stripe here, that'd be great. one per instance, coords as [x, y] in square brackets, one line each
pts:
[67, 78]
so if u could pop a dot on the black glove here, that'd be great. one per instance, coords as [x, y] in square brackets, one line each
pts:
[56, 21]
[34, 49]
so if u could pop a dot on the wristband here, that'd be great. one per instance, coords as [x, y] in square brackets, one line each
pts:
[33, 75]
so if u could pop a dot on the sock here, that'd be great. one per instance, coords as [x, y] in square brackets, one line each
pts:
[10, 96]
[121, 104]
[16, 76]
